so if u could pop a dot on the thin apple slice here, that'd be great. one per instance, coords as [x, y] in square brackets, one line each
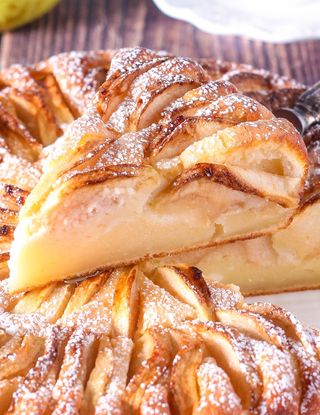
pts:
[125, 67]
[150, 366]
[17, 138]
[232, 353]
[155, 401]
[19, 354]
[31, 105]
[217, 395]
[83, 293]
[183, 380]
[193, 100]
[68, 391]
[54, 307]
[100, 377]
[225, 296]
[111, 402]
[169, 144]
[158, 307]
[187, 285]
[253, 325]
[236, 108]
[280, 394]
[309, 377]
[292, 327]
[96, 315]
[56, 101]
[32, 300]
[306, 365]
[78, 74]
[125, 308]
[227, 147]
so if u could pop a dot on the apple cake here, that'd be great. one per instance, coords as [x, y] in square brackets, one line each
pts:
[163, 161]
[37, 103]
[149, 338]
[162, 341]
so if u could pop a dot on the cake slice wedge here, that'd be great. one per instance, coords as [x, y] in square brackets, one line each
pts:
[226, 171]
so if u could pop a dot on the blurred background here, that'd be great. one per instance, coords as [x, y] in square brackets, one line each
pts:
[94, 24]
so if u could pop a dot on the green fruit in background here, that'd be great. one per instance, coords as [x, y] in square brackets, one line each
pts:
[15, 13]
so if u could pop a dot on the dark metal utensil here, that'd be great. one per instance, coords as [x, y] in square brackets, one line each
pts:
[306, 111]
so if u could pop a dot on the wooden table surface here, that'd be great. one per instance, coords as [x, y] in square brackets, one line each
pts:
[92, 24]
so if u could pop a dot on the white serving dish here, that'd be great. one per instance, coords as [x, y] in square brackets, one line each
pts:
[272, 20]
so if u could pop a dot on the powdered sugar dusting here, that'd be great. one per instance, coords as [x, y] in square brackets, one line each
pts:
[216, 390]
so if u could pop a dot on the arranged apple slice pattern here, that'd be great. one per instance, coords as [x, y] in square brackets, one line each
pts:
[140, 340]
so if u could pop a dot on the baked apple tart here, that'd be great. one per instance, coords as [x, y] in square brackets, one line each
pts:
[158, 342]
[164, 160]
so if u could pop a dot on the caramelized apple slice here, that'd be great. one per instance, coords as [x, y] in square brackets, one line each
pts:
[126, 304]
[169, 144]
[19, 354]
[252, 324]
[183, 381]
[7, 389]
[78, 75]
[83, 293]
[150, 366]
[187, 285]
[17, 138]
[125, 67]
[304, 362]
[32, 300]
[54, 307]
[225, 296]
[153, 90]
[95, 315]
[292, 327]
[309, 378]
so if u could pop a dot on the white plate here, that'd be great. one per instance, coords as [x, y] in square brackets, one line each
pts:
[272, 20]
[305, 305]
